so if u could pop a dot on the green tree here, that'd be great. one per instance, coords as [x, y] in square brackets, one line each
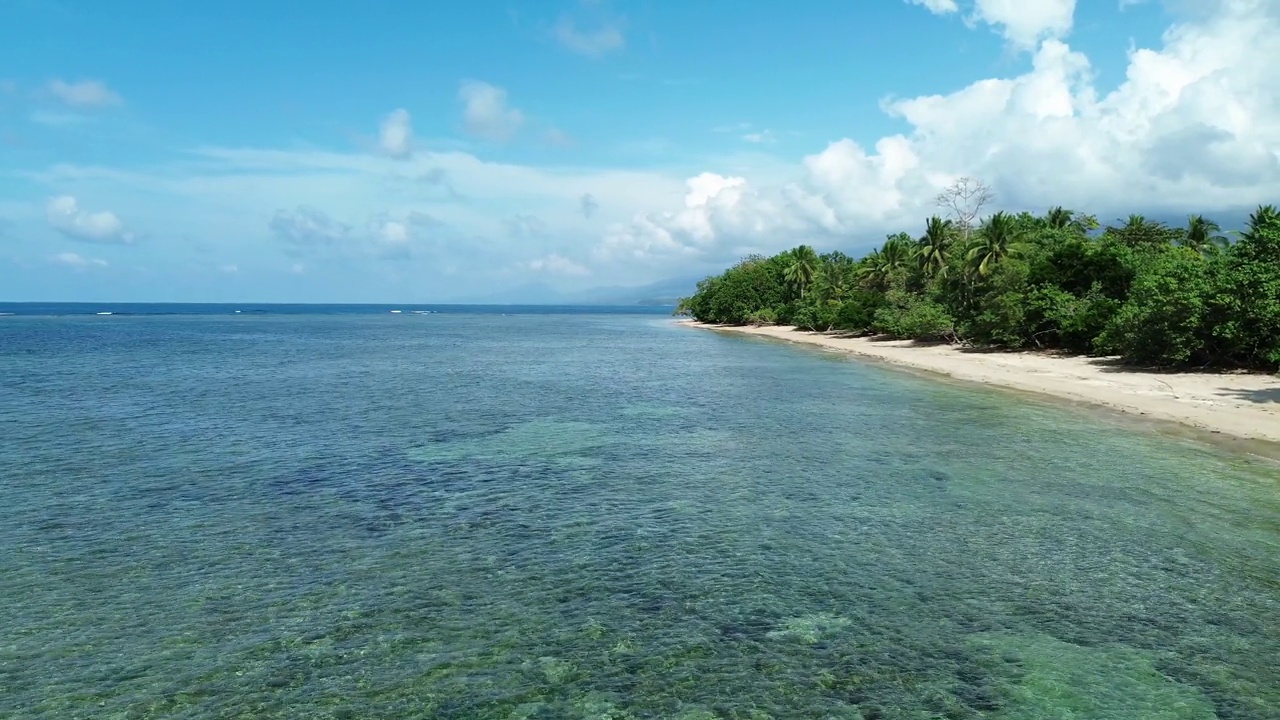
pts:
[1142, 234]
[1246, 308]
[834, 275]
[1145, 291]
[1163, 321]
[1203, 235]
[934, 246]
[803, 266]
[1058, 218]
[881, 265]
[999, 237]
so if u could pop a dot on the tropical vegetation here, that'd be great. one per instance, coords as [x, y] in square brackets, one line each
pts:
[1146, 291]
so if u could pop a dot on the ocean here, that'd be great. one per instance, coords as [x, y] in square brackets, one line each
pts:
[518, 513]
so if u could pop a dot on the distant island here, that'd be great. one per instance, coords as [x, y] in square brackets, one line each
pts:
[1135, 295]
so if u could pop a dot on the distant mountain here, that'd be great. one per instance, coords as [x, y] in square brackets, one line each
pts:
[663, 292]
[527, 294]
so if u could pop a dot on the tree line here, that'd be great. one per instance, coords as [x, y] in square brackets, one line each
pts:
[1149, 292]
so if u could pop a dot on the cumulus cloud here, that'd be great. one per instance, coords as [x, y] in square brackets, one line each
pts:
[1022, 22]
[391, 239]
[556, 264]
[309, 231]
[79, 262]
[939, 7]
[64, 215]
[1026, 22]
[85, 93]
[395, 137]
[485, 112]
[1195, 126]
[595, 42]
[306, 229]
[525, 226]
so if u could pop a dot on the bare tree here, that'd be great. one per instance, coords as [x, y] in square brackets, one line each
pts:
[963, 201]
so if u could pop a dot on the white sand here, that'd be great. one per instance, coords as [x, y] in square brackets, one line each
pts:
[1242, 405]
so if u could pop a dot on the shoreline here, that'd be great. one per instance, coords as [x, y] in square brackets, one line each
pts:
[1239, 405]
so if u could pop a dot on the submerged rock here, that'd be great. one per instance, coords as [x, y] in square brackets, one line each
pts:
[809, 629]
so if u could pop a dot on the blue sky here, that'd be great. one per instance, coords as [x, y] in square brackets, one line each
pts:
[402, 152]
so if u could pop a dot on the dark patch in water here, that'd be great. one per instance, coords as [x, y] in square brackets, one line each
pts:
[745, 630]
[456, 434]
[937, 476]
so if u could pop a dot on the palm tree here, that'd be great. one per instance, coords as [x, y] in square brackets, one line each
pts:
[1000, 237]
[1261, 239]
[832, 279]
[879, 265]
[868, 269]
[804, 263]
[934, 246]
[1264, 217]
[1058, 218]
[1202, 235]
[1139, 232]
[898, 251]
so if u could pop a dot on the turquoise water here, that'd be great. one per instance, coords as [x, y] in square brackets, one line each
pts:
[598, 516]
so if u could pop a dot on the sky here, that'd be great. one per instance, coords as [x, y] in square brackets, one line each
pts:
[380, 151]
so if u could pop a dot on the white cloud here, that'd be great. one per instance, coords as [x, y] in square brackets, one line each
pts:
[596, 42]
[1022, 22]
[485, 112]
[310, 232]
[85, 93]
[525, 226]
[1026, 22]
[394, 233]
[395, 137]
[939, 7]
[556, 264]
[763, 136]
[306, 229]
[64, 215]
[230, 269]
[1195, 126]
[79, 262]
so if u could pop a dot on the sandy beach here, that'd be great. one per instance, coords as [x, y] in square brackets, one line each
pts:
[1240, 405]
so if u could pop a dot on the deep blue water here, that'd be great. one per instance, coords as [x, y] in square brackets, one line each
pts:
[354, 514]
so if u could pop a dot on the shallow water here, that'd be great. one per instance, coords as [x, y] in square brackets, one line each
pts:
[479, 516]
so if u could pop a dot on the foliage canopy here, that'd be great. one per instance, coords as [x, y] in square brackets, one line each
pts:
[1150, 293]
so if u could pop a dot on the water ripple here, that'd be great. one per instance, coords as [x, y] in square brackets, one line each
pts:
[487, 517]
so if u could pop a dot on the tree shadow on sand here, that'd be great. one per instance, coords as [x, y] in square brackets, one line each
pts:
[1117, 365]
[1261, 396]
